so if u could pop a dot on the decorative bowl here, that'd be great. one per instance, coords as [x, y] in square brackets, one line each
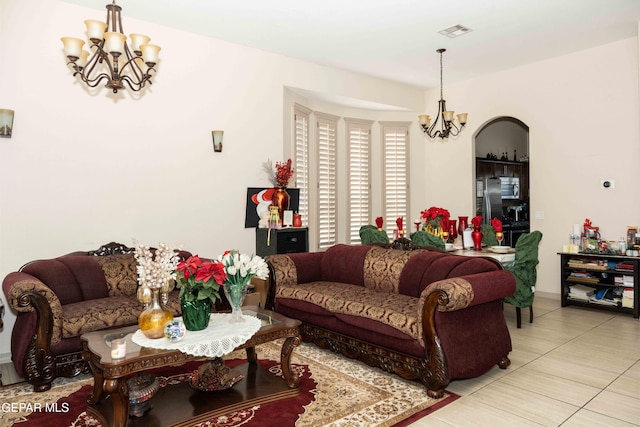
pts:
[175, 330]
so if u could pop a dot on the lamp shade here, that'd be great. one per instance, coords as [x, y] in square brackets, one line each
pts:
[84, 57]
[138, 40]
[150, 53]
[447, 115]
[217, 140]
[95, 29]
[114, 42]
[72, 46]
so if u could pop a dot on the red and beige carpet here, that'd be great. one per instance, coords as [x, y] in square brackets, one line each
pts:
[334, 390]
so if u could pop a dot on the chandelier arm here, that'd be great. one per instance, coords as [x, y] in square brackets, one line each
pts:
[136, 85]
[134, 69]
[98, 57]
[93, 82]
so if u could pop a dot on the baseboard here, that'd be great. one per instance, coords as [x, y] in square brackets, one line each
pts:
[550, 295]
[5, 358]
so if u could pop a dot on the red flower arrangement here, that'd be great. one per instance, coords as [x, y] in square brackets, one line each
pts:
[199, 279]
[434, 215]
[280, 174]
[284, 172]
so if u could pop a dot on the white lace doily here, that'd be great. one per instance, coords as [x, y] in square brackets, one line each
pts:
[218, 339]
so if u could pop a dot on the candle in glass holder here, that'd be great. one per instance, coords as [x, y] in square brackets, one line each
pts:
[118, 348]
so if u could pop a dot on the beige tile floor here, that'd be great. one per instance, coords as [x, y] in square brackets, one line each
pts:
[570, 367]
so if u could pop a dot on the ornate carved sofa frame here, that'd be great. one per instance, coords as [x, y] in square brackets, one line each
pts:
[57, 300]
[424, 315]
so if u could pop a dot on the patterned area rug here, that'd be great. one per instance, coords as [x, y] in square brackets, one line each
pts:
[334, 391]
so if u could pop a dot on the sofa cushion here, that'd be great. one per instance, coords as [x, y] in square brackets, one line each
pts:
[120, 273]
[447, 266]
[58, 277]
[383, 267]
[394, 310]
[88, 316]
[89, 276]
[343, 263]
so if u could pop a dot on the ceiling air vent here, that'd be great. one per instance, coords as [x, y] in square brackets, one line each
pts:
[455, 31]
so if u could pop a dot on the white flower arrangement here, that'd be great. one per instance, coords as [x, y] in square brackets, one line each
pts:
[157, 270]
[241, 268]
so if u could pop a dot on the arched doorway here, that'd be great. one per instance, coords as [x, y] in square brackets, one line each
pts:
[502, 174]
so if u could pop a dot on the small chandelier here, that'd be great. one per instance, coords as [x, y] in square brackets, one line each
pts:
[112, 59]
[447, 124]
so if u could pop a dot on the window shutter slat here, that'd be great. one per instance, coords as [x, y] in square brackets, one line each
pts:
[396, 176]
[359, 136]
[301, 162]
[327, 183]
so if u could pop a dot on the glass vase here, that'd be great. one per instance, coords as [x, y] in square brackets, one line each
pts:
[196, 313]
[154, 317]
[281, 199]
[235, 295]
[476, 236]
[463, 223]
[453, 230]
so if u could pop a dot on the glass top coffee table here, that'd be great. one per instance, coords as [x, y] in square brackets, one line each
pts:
[109, 401]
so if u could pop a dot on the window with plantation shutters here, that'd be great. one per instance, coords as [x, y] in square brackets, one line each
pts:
[301, 158]
[395, 142]
[327, 183]
[359, 152]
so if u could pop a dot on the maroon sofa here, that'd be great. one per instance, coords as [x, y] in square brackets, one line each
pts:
[57, 300]
[425, 315]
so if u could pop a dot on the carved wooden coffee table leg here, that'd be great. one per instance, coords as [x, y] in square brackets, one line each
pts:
[98, 377]
[292, 379]
[119, 391]
[251, 355]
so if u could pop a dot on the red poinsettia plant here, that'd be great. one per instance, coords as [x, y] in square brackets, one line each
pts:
[198, 280]
[434, 215]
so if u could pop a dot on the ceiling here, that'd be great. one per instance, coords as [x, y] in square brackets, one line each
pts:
[397, 39]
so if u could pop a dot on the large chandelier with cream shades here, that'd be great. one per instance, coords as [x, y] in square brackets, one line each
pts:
[112, 59]
[444, 124]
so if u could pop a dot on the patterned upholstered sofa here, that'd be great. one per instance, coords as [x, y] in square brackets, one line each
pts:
[57, 300]
[425, 315]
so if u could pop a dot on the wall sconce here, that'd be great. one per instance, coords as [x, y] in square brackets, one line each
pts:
[217, 140]
[6, 123]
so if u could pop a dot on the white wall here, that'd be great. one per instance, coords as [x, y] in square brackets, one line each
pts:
[84, 168]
